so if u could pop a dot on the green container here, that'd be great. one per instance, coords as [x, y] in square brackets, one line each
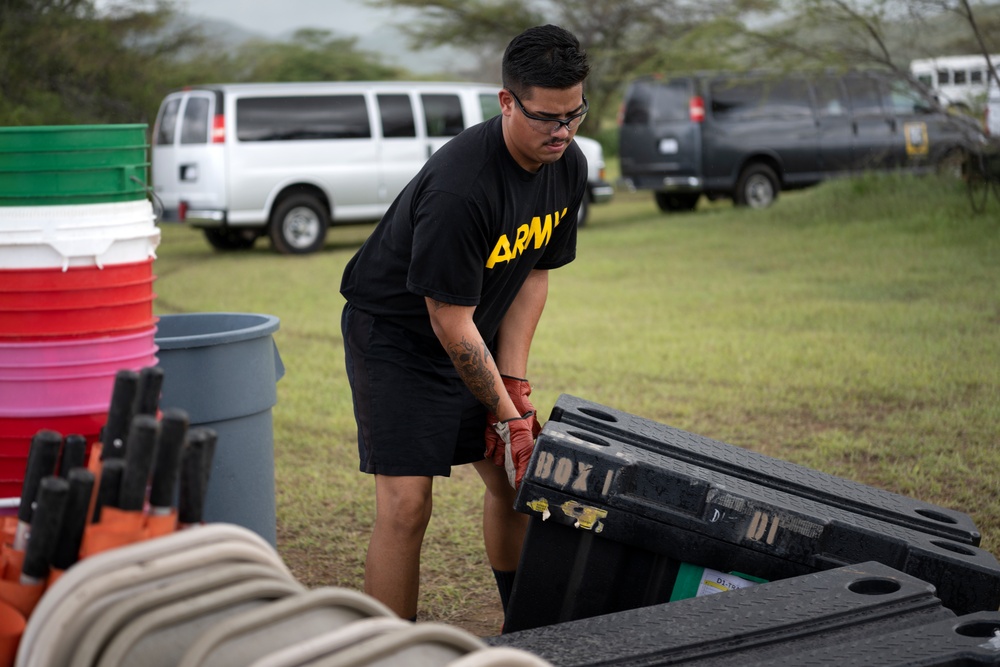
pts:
[72, 159]
[44, 138]
[49, 165]
[81, 186]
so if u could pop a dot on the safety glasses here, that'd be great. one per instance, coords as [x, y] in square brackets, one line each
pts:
[552, 125]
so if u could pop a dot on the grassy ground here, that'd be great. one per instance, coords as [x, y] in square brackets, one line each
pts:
[853, 328]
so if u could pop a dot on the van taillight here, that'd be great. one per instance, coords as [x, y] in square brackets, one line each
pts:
[219, 129]
[696, 109]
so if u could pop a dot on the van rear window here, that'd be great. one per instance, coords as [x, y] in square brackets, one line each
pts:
[762, 98]
[657, 102]
[303, 117]
[166, 126]
[194, 125]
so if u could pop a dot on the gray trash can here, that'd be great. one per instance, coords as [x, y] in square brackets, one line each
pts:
[222, 368]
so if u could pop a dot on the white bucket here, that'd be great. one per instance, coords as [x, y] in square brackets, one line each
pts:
[34, 237]
[40, 218]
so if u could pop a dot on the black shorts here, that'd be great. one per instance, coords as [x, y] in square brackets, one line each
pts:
[415, 415]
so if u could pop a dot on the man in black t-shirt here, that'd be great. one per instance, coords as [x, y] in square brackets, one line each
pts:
[442, 304]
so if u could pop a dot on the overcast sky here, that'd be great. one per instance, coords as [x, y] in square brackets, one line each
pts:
[279, 17]
[352, 18]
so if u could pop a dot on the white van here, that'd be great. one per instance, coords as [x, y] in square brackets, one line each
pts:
[993, 110]
[288, 159]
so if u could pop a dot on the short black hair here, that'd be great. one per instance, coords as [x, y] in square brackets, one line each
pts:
[546, 56]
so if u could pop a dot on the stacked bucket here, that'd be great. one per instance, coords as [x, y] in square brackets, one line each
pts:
[77, 242]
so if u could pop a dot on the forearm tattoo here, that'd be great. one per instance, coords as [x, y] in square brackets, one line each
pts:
[471, 360]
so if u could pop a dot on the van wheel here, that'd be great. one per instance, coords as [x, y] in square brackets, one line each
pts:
[757, 187]
[672, 202]
[231, 239]
[298, 225]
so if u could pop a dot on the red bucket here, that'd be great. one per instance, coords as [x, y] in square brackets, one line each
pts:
[38, 304]
[15, 440]
[19, 302]
[74, 278]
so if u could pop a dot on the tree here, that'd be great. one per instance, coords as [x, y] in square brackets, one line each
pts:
[62, 62]
[65, 62]
[885, 34]
[311, 55]
[622, 37]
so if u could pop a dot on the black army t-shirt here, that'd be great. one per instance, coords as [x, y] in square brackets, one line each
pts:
[467, 230]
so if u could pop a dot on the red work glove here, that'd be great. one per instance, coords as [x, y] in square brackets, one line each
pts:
[518, 443]
[519, 390]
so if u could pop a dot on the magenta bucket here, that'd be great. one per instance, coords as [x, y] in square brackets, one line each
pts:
[68, 377]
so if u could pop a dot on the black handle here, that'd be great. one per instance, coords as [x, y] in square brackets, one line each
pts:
[173, 430]
[119, 414]
[74, 451]
[111, 483]
[196, 463]
[209, 439]
[52, 495]
[81, 487]
[147, 396]
[42, 458]
[138, 461]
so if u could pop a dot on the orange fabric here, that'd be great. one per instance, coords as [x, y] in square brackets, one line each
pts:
[160, 524]
[8, 528]
[20, 596]
[116, 528]
[12, 624]
[94, 466]
[13, 560]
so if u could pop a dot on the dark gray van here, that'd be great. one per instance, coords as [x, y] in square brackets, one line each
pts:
[749, 136]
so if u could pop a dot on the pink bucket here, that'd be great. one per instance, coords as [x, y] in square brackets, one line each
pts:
[68, 377]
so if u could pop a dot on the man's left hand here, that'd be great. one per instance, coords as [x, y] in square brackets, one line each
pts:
[518, 442]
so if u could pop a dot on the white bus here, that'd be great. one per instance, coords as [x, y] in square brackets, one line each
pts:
[956, 80]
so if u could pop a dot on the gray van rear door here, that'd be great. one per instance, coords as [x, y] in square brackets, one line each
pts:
[164, 155]
[200, 168]
[660, 143]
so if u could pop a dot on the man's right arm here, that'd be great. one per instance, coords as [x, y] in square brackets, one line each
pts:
[458, 334]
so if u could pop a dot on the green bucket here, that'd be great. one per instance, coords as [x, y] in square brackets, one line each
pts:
[80, 186]
[75, 159]
[73, 164]
[43, 138]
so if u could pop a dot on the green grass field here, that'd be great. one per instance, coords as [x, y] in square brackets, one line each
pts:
[853, 328]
